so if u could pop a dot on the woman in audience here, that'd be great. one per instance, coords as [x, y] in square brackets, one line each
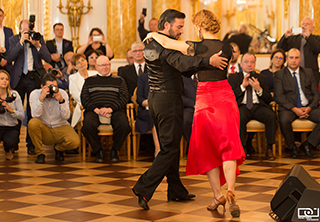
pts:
[144, 121]
[215, 148]
[277, 59]
[92, 56]
[76, 82]
[97, 40]
[11, 110]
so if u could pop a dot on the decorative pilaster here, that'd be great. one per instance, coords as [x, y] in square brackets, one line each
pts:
[159, 6]
[47, 20]
[216, 8]
[121, 18]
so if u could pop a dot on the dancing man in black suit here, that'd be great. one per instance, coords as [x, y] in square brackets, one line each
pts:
[297, 94]
[130, 73]
[58, 47]
[166, 109]
[307, 43]
[253, 98]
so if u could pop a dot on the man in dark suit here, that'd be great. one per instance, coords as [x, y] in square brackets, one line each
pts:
[130, 73]
[5, 34]
[240, 38]
[26, 54]
[296, 92]
[58, 47]
[307, 43]
[234, 64]
[166, 109]
[253, 98]
[189, 100]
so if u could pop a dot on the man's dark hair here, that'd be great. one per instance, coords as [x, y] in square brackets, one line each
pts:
[169, 15]
[2, 11]
[47, 77]
[59, 23]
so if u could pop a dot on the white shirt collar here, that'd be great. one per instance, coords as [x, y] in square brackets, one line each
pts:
[296, 71]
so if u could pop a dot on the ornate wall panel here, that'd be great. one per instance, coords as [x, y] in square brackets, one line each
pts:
[310, 8]
[159, 6]
[14, 13]
[121, 25]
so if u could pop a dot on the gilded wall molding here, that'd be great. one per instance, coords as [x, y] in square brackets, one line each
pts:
[47, 19]
[12, 11]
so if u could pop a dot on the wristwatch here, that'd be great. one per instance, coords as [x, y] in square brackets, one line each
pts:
[13, 111]
[62, 101]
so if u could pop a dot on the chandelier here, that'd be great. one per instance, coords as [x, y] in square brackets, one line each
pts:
[240, 4]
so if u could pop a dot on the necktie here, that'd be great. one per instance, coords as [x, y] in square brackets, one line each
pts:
[140, 70]
[25, 64]
[298, 90]
[303, 42]
[232, 69]
[249, 104]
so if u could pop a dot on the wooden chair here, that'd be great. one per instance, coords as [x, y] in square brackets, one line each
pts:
[299, 125]
[254, 126]
[72, 105]
[104, 130]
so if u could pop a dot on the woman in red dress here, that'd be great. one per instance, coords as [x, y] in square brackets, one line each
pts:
[215, 148]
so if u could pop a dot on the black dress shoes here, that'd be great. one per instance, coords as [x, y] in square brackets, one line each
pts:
[114, 158]
[269, 155]
[59, 155]
[100, 156]
[143, 202]
[40, 159]
[74, 151]
[294, 153]
[31, 150]
[188, 197]
[306, 148]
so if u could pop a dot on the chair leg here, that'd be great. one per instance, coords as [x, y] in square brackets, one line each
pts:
[181, 147]
[128, 146]
[134, 146]
[279, 143]
[83, 144]
[303, 137]
[259, 141]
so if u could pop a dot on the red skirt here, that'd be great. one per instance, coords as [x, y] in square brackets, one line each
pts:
[215, 134]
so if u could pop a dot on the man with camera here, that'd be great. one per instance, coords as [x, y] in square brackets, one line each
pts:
[5, 34]
[50, 112]
[27, 49]
[58, 47]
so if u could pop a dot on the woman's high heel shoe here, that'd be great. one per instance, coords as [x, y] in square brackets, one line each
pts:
[233, 206]
[222, 201]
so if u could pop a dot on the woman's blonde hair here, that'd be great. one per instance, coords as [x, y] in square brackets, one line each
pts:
[8, 87]
[207, 20]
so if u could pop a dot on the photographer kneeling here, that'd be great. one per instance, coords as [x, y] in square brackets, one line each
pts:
[11, 110]
[50, 111]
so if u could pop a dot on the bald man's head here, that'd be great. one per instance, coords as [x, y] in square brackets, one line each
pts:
[103, 65]
[293, 59]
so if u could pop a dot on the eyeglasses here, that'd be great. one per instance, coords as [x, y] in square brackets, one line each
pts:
[80, 61]
[138, 50]
[93, 57]
[276, 57]
[102, 65]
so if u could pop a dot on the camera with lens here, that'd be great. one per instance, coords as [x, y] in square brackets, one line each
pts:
[59, 64]
[9, 99]
[2, 56]
[34, 35]
[53, 72]
[52, 89]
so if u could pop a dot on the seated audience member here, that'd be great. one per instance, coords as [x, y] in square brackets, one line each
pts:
[144, 122]
[153, 26]
[63, 83]
[4, 43]
[129, 57]
[91, 57]
[296, 93]
[49, 125]
[277, 59]
[58, 47]
[240, 38]
[188, 99]
[130, 73]
[76, 82]
[10, 113]
[253, 98]
[105, 95]
[234, 64]
[97, 40]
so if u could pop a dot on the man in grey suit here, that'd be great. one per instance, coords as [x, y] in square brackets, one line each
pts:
[26, 54]
[296, 92]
